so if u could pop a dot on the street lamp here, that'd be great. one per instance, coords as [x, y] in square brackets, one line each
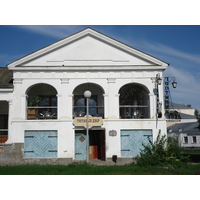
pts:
[167, 90]
[174, 84]
[87, 95]
[158, 79]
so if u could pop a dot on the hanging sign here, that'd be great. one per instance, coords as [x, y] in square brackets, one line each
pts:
[92, 121]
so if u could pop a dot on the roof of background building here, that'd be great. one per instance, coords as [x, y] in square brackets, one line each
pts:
[186, 116]
[189, 128]
[6, 78]
[173, 105]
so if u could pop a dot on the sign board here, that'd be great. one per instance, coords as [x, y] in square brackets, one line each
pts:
[112, 133]
[92, 121]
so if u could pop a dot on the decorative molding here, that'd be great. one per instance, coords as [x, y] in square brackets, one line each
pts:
[17, 81]
[64, 80]
[111, 80]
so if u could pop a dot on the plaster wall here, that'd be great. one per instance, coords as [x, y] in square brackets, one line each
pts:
[65, 83]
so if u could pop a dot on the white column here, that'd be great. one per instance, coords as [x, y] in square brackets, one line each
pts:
[65, 101]
[24, 106]
[18, 100]
[105, 106]
[10, 111]
[113, 106]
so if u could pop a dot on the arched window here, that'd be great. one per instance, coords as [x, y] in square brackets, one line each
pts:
[134, 101]
[96, 101]
[42, 102]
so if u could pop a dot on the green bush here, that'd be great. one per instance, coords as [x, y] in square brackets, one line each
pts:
[162, 152]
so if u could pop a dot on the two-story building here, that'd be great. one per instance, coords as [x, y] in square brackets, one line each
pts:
[44, 94]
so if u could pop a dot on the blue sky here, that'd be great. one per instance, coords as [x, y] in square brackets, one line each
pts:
[178, 45]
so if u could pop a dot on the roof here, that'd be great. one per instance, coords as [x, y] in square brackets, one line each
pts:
[6, 78]
[21, 62]
[189, 128]
[186, 116]
[173, 105]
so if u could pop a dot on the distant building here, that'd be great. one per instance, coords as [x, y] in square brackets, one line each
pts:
[188, 134]
[180, 112]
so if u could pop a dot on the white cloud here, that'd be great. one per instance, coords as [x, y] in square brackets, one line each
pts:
[167, 51]
[187, 90]
[58, 31]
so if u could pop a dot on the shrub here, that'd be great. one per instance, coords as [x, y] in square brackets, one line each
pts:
[162, 152]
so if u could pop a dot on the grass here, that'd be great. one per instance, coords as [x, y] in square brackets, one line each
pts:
[88, 169]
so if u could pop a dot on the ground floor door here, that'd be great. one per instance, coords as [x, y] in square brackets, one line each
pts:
[132, 140]
[40, 144]
[80, 145]
[96, 144]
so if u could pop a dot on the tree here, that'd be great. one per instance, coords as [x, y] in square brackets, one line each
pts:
[196, 112]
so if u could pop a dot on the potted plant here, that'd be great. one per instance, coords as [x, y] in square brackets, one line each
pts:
[32, 112]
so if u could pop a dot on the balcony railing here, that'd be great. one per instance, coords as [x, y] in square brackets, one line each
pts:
[95, 111]
[134, 111]
[42, 112]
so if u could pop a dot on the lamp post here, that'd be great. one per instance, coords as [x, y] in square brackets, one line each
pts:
[87, 95]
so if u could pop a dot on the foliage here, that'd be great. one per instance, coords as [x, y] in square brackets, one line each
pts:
[35, 101]
[197, 117]
[164, 151]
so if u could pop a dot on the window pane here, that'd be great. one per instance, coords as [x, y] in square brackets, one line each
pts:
[54, 101]
[44, 101]
[80, 102]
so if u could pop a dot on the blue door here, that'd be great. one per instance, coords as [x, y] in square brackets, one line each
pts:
[80, 145]
[132, 140]
[40, 144]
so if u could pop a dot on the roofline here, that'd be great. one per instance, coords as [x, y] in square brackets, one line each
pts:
[80, 34]
[130, 46]
[45, 47]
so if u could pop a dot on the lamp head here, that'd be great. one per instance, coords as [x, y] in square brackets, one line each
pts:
[158, 79]
[174, 84]
[87, 94]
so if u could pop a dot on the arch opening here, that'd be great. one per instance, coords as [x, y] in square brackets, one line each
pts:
[134, 101]
[96, 101]
[41, 102]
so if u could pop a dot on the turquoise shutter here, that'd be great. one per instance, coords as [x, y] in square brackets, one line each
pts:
[132, 140]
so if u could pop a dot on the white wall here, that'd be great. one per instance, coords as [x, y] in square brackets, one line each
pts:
[65, 83]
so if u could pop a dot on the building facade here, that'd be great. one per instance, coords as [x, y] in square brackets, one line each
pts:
[47, 95]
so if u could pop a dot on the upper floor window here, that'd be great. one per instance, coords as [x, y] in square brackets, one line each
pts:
[185, 139]
[42, 102]
[194, 139]
[80, 105]
[96, 101]
[134, 102]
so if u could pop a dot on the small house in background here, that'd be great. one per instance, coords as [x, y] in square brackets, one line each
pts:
[42, 93]
[188, 134]
[180, 112]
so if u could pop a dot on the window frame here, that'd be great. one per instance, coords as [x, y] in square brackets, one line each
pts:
[43, 112]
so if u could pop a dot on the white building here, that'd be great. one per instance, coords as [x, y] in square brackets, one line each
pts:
[187, 133]
[47, 93]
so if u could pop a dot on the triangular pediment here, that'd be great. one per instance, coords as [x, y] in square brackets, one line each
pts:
[88, 48]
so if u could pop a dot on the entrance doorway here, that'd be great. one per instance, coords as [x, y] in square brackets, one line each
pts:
[96, 144]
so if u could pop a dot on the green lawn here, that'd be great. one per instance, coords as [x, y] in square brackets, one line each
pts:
[85, 169]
